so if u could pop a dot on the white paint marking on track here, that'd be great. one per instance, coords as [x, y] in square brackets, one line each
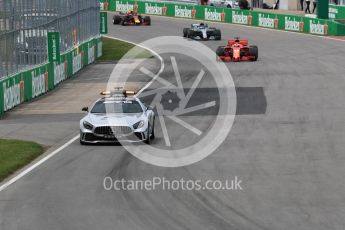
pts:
[153, 52]
[38, 163]
[35, 165]
[186, 125]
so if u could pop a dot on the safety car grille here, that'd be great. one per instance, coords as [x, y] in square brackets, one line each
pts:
[113, 130]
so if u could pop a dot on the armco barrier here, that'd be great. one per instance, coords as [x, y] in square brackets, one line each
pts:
[245, 17]
[32, 83]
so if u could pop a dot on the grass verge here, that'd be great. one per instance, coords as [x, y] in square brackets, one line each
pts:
[114, 50]
[15, 154]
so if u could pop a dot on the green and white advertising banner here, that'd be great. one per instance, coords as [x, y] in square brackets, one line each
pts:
[214, 14]
[245, 17]
[39, 81]
[77, 61]
[155, 9]
[241, 17]
[53, 46]
[336, 12]
[12, 93]
[184, 11]
[35, 82]
[103, 22]
[91, 53]
[319, 27]
[293, 23]
[125, 6]
[266, 20]
[60, 72]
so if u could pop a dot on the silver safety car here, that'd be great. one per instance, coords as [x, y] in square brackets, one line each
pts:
[117, 117]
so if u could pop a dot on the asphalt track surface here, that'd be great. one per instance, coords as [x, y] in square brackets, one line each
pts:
[288, 150]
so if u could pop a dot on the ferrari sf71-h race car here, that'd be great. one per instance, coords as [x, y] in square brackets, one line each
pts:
[131, 18]
[237, 50]
[117, 117]
[202, 31]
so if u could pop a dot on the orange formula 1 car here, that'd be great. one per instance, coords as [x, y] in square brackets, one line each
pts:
[131, 18]
[237, 50]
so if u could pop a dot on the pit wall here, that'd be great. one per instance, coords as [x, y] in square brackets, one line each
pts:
[236, 16]
[29, 84]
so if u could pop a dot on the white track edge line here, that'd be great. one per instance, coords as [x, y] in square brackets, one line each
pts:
[35, 165]
[152, 51]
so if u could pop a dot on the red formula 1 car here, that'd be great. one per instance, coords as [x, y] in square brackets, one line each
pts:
[237, 50]
[131, 18]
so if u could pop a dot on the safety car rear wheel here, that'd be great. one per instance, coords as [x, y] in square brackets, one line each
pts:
[149, 133]
[153, 130]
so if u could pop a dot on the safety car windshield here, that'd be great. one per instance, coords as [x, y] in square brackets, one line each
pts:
[125, 106]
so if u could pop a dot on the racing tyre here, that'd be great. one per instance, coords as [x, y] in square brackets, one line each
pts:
[185, 32]
[153, 130]
[220, 51]
[217, 35]
[147, 20]
[254, 51]
[148, 139]
[190, 34]
[123, 22]
[116, 19]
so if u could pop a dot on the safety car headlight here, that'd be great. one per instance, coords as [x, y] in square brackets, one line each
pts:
[87, 125]
[138, 125]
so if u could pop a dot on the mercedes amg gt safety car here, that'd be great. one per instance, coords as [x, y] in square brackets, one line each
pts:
[131, 18]
[117, 117]
[237, 50]
[202, 31]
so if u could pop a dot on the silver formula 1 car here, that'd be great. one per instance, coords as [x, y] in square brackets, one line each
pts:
[202, 31]
[117, 117]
